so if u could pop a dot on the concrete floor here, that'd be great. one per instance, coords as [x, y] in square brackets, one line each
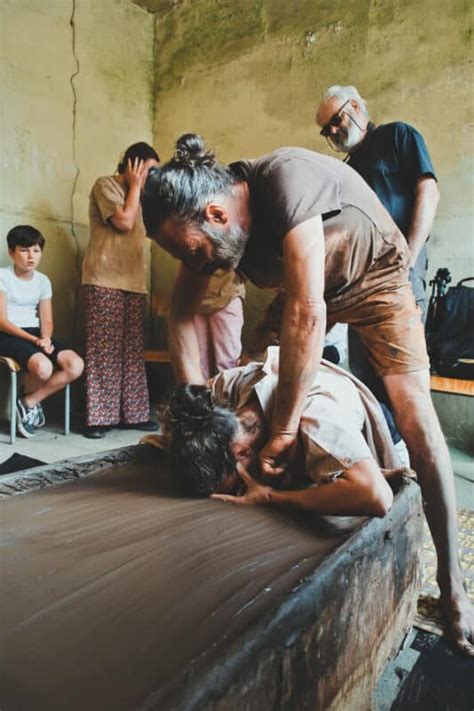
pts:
[50, 445]
[399, 668]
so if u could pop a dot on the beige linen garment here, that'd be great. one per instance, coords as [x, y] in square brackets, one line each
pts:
[342, 422]
[224, 287]
[113, 259]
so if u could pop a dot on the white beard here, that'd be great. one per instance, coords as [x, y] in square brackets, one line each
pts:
[347, 138]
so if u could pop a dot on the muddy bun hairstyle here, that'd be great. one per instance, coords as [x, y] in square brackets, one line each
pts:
[183, 187]
[201, 434]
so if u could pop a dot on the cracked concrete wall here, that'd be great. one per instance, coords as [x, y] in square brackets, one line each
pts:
[248, 75]
[76, 89]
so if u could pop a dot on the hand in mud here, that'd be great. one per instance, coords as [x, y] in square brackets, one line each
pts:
[255, 493]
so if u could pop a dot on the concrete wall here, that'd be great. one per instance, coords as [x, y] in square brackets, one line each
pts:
[248, 76]
[76, 91]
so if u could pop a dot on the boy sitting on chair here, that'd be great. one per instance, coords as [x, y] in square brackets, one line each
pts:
[26, 329]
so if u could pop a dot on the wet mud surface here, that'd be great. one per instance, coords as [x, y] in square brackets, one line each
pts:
[113, 585]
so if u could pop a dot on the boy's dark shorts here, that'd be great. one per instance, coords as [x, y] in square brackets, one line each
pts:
[22, 350]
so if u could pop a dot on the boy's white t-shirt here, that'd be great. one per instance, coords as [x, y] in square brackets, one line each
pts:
[23, 296]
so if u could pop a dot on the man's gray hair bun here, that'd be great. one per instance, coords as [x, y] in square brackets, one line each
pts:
[190, 152]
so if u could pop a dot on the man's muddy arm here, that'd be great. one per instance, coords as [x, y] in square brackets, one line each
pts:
[302, 335]
[360, 490]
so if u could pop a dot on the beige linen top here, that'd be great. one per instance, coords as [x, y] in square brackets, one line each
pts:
[224, 287]
[113, 259]
[342, 422]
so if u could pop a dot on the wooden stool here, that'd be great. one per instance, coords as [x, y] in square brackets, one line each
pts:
[14, 369]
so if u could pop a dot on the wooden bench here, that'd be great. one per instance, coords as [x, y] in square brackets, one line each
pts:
[157, 356]
[452, 385]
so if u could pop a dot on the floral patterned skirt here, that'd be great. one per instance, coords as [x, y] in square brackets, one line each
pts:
[115, 378]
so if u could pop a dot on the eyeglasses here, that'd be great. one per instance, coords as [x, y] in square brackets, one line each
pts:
[335, 120]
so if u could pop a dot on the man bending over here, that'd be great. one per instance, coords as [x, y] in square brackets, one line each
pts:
[309, 224]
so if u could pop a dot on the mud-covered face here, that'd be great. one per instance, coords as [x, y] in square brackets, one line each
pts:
[247, 444]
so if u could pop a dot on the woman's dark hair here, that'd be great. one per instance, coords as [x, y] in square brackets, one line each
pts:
[185, 185]
[141, 150]
[201, 434]
[24, 236]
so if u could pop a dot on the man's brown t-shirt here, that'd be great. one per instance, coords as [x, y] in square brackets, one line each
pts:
[365, 251]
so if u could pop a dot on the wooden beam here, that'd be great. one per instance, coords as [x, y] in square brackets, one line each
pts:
[452, 385]
[157, 357]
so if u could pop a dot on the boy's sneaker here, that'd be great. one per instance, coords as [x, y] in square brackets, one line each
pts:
[40, 419]
[25, 417]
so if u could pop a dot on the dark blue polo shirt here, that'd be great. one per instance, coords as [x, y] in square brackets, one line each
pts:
[391, 160]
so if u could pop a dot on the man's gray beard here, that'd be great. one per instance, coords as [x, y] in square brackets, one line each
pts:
[229, 245]
[347, 138]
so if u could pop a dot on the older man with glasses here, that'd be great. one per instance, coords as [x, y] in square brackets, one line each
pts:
[393, 159]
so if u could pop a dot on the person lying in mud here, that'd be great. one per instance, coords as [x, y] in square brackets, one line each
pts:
[214, 434]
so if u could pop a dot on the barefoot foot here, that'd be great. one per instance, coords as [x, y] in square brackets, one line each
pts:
[459, 618]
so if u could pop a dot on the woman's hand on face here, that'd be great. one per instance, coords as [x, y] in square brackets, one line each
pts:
[255, 493]
[135, 174]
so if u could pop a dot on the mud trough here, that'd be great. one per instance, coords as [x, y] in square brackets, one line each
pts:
[119, 594]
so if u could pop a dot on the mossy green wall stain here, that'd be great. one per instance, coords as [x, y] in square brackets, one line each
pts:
[378, 45]
[287, 19]
[205, 34]
[390, 49]
[208, 34]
